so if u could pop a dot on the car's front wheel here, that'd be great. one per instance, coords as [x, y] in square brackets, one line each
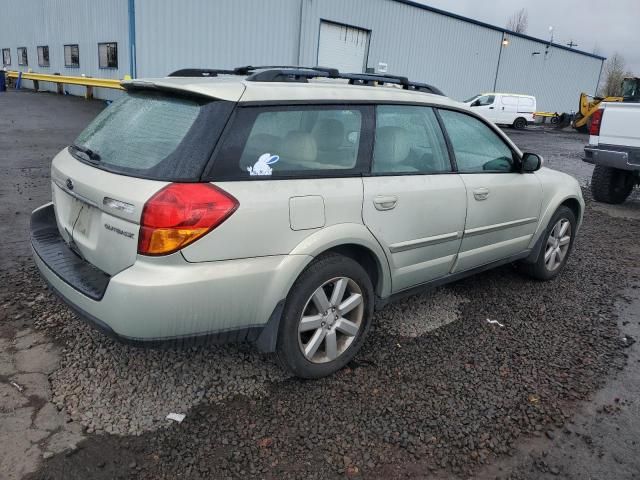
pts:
[556, 247]
[326, 317]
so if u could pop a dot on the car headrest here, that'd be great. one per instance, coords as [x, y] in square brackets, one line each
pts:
[299, 148]
[392, 145]
[329, 134]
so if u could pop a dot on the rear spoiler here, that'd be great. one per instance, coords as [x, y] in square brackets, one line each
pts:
[231, 91]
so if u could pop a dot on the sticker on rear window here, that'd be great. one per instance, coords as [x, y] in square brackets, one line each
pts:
[262, 166]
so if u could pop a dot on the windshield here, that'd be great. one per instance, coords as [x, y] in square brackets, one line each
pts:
[469, 100]
[631, 88]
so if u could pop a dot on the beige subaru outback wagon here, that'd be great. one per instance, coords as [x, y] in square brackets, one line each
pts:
[282, 206]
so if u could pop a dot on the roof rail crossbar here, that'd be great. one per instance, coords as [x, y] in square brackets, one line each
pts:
[293, 74]
[201, 72]
[332, 72]
[370, 79]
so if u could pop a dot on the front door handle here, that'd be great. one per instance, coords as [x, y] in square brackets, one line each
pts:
[491, 108]
[481, 194]
[386, 202]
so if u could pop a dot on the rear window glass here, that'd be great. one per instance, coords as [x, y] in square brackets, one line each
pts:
[151, 135]
[292, 141]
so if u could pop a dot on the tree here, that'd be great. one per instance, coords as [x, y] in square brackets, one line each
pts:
[613, 73]
[519, 21]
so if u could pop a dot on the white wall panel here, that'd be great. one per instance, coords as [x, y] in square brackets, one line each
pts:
[29, 23]
[215, 34]
[458, 56]
[555, 76]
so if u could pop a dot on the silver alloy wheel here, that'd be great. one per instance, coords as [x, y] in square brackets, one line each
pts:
[331, 320]
[557, 244]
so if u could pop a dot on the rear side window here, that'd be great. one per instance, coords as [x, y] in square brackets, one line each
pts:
[153, 135]
[477, 148]
[408, 139]
[525, 104]
[292, 141]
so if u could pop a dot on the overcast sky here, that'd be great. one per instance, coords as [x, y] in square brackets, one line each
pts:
[608, 26]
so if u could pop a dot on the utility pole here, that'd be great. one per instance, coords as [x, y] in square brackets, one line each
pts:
[572, 44]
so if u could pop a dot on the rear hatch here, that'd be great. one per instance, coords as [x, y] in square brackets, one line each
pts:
[135, 147]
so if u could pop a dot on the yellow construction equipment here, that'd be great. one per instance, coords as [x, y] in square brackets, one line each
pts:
[589, 105]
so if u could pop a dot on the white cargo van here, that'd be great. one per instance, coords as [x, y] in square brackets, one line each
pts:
[505, 108]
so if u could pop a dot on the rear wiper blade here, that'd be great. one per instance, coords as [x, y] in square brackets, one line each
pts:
[87, 151]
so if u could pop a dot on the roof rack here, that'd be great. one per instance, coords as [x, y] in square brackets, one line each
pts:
[292, 73]
[248, 70]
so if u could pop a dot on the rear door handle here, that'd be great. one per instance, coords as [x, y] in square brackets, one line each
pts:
[481, 194]
[491, 108]
[385, 202]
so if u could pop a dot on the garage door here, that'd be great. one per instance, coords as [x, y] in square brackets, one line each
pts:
[343, 47]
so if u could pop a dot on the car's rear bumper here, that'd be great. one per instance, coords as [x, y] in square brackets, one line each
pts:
[621, 158]
[169, 300]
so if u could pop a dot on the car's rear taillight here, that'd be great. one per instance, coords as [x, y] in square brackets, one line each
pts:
[596, 121]
[181, 213]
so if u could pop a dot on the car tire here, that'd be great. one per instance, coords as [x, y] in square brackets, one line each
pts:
[554, 253]
[520, 123]
[333, 332]
[611, 185]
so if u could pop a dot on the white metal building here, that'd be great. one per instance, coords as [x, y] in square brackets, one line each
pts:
[146, 38]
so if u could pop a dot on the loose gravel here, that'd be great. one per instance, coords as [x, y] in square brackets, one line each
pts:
[415, 400]
[113, 388]
[422, 314]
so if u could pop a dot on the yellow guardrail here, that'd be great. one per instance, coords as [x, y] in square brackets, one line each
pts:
[88, 82]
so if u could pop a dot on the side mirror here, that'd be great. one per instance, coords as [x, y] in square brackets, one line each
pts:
[531, 162]
[475, 104]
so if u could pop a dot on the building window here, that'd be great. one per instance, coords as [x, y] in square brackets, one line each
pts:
[71, 56]
[43, 56]
[108, 55]
[6, 56]
[22, 56]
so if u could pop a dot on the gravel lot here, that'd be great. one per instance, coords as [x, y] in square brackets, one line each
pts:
[437, 390]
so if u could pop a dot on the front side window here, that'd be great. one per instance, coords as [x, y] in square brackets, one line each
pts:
[477, 147]
[71, 56]
[43, 56]
[108, 55]
[292, 141]
[6, 56]
[22, 56]
[408, 139]
[485, 100]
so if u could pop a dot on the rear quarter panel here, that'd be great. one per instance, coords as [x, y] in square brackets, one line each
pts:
[262, 224]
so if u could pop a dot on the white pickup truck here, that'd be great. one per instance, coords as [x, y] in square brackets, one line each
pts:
[614, 146]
